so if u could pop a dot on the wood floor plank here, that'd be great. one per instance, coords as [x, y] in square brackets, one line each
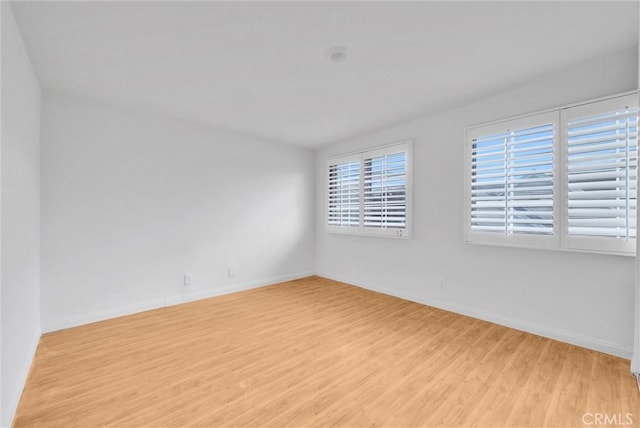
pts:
[315, 352]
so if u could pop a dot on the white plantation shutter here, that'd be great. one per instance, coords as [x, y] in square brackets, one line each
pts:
[512, 188]
[344, 192]
[385, 190]
[565, 179]
[601, 175]
[369, 192]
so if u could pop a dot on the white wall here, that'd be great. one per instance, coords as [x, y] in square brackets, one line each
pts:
[581, 298]
[635, 360]
[131, 202]
[20, 214]
[2, 25]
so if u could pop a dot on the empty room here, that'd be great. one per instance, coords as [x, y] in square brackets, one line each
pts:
[318, 213]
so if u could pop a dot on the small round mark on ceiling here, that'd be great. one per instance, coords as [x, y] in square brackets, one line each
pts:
[337, 53]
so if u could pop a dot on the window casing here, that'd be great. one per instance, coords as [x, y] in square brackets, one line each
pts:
[369, 193]
[564, 179]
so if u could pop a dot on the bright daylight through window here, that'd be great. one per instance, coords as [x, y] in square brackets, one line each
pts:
[369, 192]
[564, 179]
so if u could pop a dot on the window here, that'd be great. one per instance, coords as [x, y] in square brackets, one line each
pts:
[564, 179]
[601, 153]
[512, 181]
[369, 192]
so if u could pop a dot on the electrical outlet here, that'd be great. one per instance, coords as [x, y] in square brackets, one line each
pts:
[443, 283]
[188, 279]
[231, 272]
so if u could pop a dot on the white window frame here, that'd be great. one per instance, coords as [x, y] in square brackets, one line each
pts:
[560, 240]
[403, 233]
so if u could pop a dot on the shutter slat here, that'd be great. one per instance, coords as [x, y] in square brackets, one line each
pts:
[630, 114]
[586, 145]
[607, 126]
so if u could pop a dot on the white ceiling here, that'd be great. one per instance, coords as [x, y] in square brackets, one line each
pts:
[261, 68]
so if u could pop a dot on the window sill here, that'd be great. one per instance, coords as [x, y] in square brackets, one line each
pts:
[548, 248]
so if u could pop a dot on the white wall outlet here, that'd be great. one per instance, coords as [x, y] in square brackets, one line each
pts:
[443, 283]
[188, 279]
[231, 272]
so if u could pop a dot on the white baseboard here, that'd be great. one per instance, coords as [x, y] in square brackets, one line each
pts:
[14, 399]
[563, 336]
[166, 301]
[572, 338]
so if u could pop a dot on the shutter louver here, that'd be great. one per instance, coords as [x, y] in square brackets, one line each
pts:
[512, 182]
[602, 157]
[385, 192]
[344, 194]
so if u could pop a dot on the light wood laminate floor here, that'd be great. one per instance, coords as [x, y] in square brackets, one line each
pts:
[315, 352]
